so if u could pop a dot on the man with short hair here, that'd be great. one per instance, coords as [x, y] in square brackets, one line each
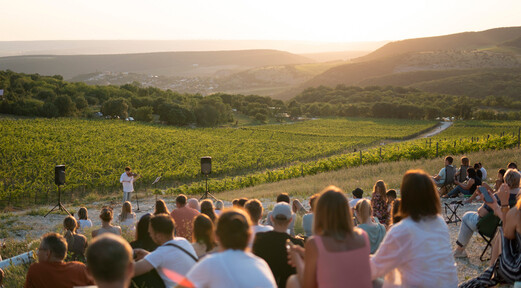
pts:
[51, 271]
[443, 178]
[183, 217]
[127, 180]
[254, 209]
[271, 245]
[174, 257]
[109, 261]
[358, 193]
[283, 197]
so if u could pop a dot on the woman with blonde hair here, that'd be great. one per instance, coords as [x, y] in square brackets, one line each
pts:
[106, 216]
[374, 230]
[416, 252]
[338, 254]
[127, 218]
[76, 243]
[379, 202]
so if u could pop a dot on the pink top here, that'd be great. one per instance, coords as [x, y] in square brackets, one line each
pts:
[345, 268]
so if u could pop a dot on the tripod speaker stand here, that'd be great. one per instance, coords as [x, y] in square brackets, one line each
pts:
[206, 169]
[59, 179]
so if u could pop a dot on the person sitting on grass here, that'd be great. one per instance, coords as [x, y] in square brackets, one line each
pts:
[298, 208]
[194, 204]
[76, 243]
[160, 207]
[51, 271]
[219, 206]
[395, 214]
[467, 188]
[338, 254]
[374, 230]
[357, 196]
[127, 218]
[283, 197]
[241, 202]
[307, 220]
[208, 209]
[271, 245]
[500, 179]
[183, 217]
[391, 196]
[83, 221]
[203, 236]
[109, 261]
[255, 210]
[106, 226]
[416, 252]
[379, 203]
[233, 266]
[144, 241]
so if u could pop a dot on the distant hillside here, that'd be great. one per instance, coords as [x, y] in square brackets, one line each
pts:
[163, 63]
[335, 56]
[459, 41]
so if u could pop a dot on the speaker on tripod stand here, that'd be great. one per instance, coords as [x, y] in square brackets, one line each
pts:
[206, 169]
[59, 179]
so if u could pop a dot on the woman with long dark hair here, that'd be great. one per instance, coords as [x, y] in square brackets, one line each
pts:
[203, 235]
[76, 243]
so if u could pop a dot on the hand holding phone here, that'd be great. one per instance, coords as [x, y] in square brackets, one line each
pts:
[486, 195]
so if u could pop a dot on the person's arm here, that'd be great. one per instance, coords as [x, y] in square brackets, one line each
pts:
[510, 223]
[310, 266]
[389, 255]
[141, 267]
[468, 185]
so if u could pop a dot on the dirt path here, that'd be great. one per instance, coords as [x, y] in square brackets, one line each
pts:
[442, 127]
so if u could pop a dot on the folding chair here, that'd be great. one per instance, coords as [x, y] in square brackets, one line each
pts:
[487, 228]
[448, 184]
[452, 208]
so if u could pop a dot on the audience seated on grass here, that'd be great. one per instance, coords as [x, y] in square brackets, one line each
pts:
[506, 261]
[379, 202]
[106, 225]
[466, 188]
[283, 197]
[183, 217]
[470, 220]
[357, 196]
[241, 202]
[51, 271]
[271, 245]
[208, 209]
[194, 204]
[127, 218]
[172, 259]
[307, 220]
[255, 210]
[371, 226]
[160, 207]
[416, 252]
[338, 254]
[76, 243]
[144, 241]
[83, 220]
[109, 261]
[203, 236]
[233, 267]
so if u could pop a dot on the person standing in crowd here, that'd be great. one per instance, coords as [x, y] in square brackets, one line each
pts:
[109, 261]
[51, 271]
[183, 217]
[127, 179]
[416, 252]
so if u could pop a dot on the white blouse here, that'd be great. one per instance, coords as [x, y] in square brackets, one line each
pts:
[416, 254]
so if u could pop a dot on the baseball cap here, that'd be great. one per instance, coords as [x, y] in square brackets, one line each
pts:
[281, 211]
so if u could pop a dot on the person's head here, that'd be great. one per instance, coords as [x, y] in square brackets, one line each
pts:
[53, 248]
[255, 209]
[180, 201]
[128, 171]
[512, 177]
[449, 160]
[395, 211]
[512, 165]
[233, 229]
[242, 202]
[313, 201]
[501, 174]
[234, 202]
[358, 193]
[480, 165]
[363, 210]
[219, 205]
[379, 188]
[471, 173]
[281, 215]
[283, 197]
[126, 209]
[70, 224]
[142, 231]
[207, 208]
[391, 195]
[194, 204]
[465, 161]
[332, 214]
[83, 214]
[106, 214]
[204, 231]
[476, 166]
[419, 196]
[109, 260]
[161, 207]
[161, 228]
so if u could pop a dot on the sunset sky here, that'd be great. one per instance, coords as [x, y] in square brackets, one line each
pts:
[325, 20]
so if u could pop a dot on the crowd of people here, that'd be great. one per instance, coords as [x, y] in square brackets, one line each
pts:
[346, 240]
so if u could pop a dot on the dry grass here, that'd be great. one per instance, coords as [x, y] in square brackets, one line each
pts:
[365, 176]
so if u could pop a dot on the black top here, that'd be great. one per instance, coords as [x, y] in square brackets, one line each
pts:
[477, 182]
[271, 246]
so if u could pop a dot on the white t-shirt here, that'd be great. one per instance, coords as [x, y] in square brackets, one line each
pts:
[128, 182]
[416, 254]
[173, 259]
[352, 202]
[231, 268]
[256, 229]
[483, 173]
[84, 223]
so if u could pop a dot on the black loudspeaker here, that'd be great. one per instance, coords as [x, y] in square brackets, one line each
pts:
[206, 165]
[59, 175]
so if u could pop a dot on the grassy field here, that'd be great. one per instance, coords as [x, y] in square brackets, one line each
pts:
[96, 151]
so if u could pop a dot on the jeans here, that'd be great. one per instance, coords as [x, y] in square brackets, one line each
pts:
[469, 223]
[126, 196]
[456, 191]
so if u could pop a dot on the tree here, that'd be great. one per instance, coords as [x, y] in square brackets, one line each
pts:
[144, 114]
[65, 105]
[117, 107]
[211, 111]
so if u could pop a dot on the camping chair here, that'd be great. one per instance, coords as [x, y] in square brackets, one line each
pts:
[487, 228]
[452, 208]
[462, 173]
[448, 184]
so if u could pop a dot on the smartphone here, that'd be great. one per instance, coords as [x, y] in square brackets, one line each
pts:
[486, 195]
